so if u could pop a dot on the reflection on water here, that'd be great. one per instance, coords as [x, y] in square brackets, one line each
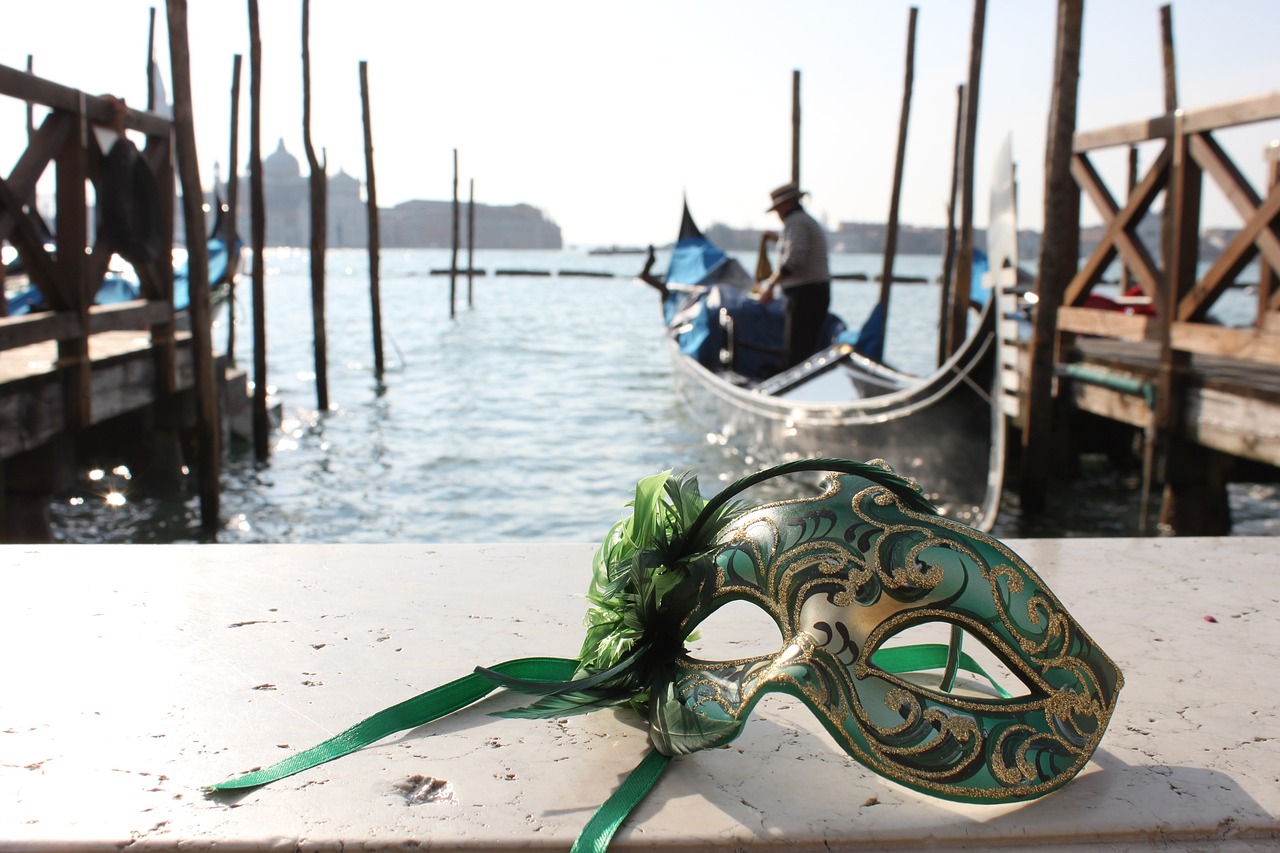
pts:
[529, 417]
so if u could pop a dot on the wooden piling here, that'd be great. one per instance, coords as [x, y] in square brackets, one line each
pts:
[375, 240]
[1170, 78]
[31, 108]
[453, 264]
[1059, 259]
[471, 243]
[207, 426]
[71, 227]
[959, 317]
[891, 229]
[1266, 274]
[230, 238]
[151, 61]
[949, 240]
[258, 214]
[795, 127]
[319, 221]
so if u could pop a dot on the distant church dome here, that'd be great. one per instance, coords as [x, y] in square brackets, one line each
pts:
[343, 182]
[280, 165]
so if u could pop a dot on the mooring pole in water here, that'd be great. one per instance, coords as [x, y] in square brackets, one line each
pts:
[31, 115]
[949, 241]
[1059, 259]
[258, 237]
[795, 127]
[151, 61]
[197, 268]
[375, 240]
[453, 264]
[959, 318]
[319, 221]
[471, 243]
[891, 229]
[229, 230]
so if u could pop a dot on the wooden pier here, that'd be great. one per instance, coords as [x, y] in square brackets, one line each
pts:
[1203, 399]
[77, 367]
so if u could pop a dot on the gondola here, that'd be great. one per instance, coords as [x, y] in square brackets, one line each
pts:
[943, 430]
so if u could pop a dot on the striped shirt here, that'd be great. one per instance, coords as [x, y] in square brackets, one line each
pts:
[802, 250]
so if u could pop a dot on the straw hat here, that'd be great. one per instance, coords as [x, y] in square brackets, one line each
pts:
[783, 194]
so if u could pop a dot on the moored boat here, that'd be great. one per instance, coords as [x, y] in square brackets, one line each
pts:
[941, 430]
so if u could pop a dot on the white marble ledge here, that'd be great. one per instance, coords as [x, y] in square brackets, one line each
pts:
[133, 675]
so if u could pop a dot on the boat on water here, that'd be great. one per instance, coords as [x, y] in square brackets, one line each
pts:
[943, 430]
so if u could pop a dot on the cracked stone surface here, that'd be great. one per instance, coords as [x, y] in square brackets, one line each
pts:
[135, 675]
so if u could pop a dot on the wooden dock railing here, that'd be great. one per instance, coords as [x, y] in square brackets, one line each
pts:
[1182, 299]
[1172, 349]
[68, 276]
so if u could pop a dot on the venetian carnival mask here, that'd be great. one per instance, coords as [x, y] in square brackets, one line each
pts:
[841, 574]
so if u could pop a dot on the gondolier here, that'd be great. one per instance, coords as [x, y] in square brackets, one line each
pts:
[802, 273]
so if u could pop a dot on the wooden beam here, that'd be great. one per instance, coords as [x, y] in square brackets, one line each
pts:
[135, 314]
[891, 228]
[1130, 133]
[41, 269]
[42, 148]
[1059, 257]
[1118, 237]
[1239, 192]
[374, 237]
[208, 463]
[1234, 258]
[1233, 113]
[949, 244]
[28, 87]
[1110, 324]
[319, 223]
[958, 321]
[258, 212]
[39, 327]
[795, 127]
[1245, 344]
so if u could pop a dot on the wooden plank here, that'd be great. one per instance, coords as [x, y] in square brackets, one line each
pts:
[1233, 113]
[29, 420]
[135, 314]
[1247, 344]
[1245, 111]
[1241, 426]
[1110, 403]
[28, 87]
[1108, 324]
[1130, 133]
[36, 328]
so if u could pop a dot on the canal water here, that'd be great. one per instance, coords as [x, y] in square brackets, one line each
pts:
[527, 417]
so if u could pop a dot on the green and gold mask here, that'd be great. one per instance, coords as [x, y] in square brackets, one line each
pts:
[842, 574]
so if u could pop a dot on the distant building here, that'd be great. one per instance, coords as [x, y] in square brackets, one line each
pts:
[411, 225]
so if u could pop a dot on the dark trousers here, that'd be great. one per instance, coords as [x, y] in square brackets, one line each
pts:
[807, 306]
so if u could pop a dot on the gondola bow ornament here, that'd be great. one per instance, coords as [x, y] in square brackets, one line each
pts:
[841, 574]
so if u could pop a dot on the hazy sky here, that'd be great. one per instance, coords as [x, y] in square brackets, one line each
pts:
[603, 114]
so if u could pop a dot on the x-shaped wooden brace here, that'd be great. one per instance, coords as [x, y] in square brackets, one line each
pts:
[1121, 223]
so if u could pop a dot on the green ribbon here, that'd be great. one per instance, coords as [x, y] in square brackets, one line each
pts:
[459, 693]
[421, 709]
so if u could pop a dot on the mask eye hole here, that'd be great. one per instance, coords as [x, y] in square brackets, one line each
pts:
[735, 631]
[980, 672]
